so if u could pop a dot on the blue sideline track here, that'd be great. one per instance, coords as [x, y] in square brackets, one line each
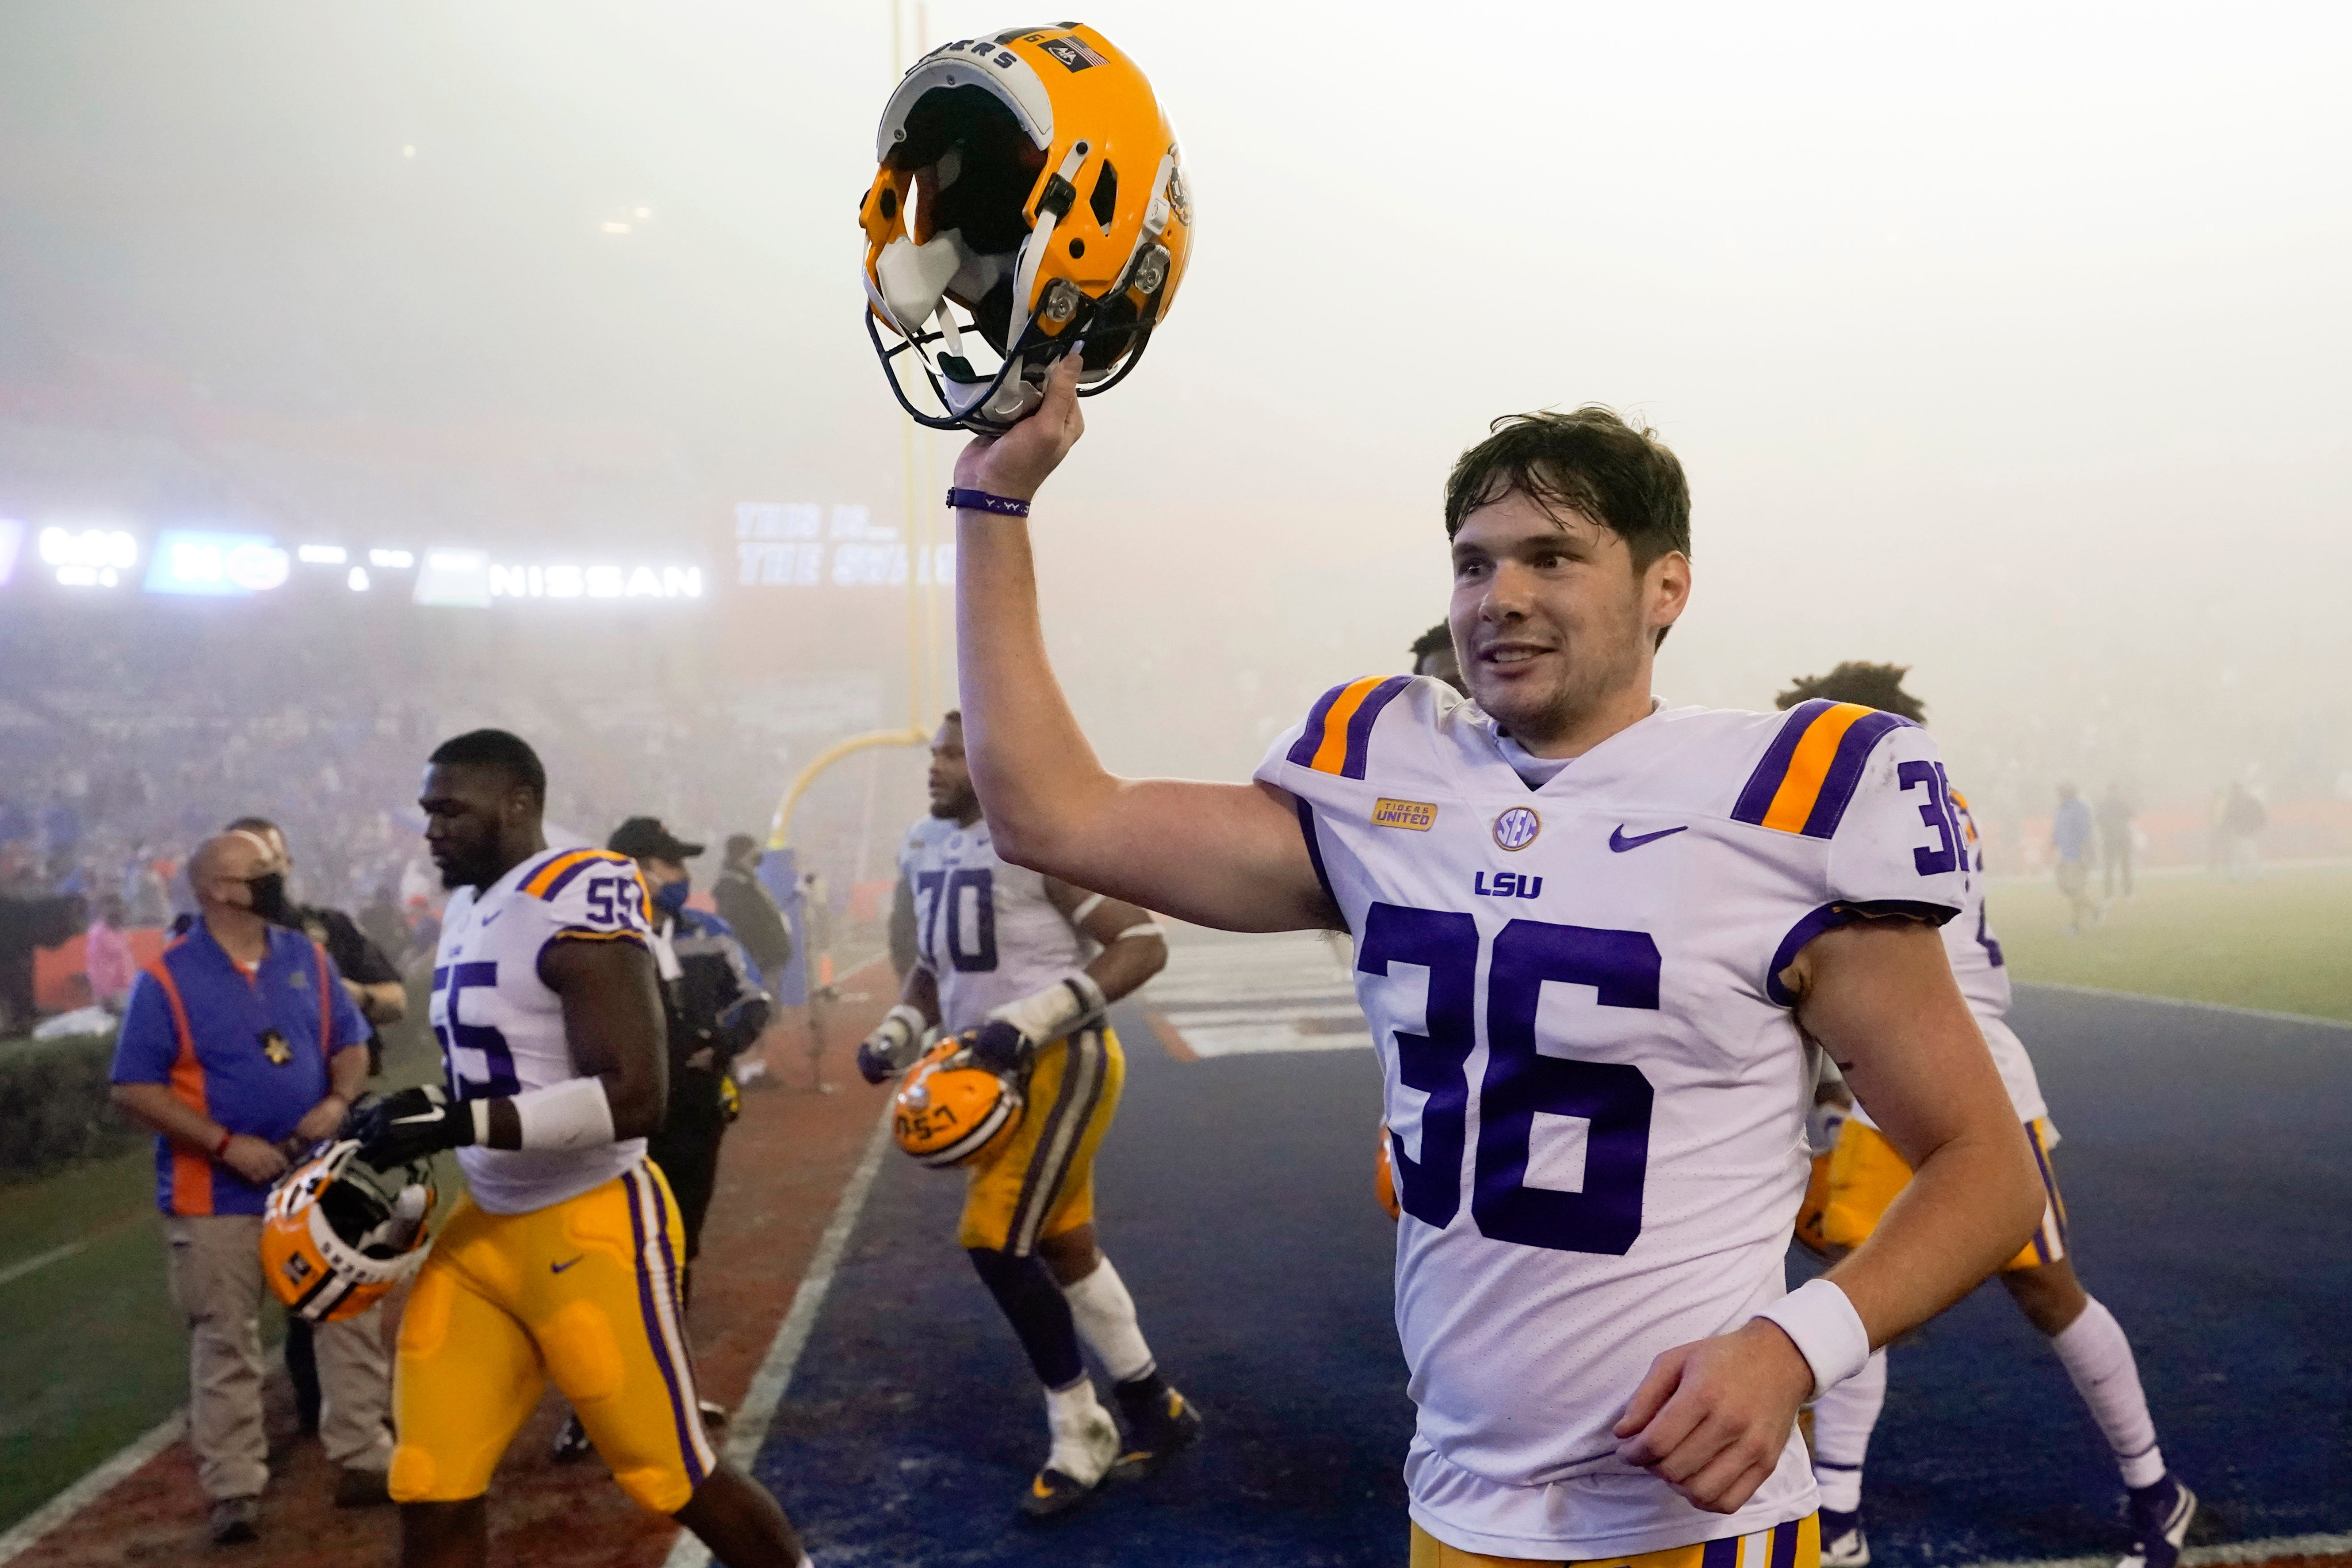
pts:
[2208, 1171]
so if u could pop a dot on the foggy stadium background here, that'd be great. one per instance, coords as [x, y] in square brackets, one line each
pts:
[2001, 346]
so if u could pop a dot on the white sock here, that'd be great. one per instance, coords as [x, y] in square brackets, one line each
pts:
[1844, 1418]
[1085, 1440]
[2099, 1359]
[1105, 1314]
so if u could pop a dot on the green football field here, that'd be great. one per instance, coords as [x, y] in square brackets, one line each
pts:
[2283, 944]
[96, 1354]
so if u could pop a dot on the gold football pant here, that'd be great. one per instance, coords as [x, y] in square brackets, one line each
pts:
[584, 1292]
[1796, 1544]
[1863, 1173]
[1041, 1183]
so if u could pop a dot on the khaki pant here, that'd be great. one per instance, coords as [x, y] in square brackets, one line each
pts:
[216, 1270]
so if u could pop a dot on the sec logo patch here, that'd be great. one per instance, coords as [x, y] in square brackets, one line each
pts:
[1516, 828]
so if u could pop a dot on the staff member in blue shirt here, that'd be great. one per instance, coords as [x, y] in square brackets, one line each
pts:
[239, 1038]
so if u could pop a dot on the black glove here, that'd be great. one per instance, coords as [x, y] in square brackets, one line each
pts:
[410, 1125]
[999, 1046]
[891, 1049]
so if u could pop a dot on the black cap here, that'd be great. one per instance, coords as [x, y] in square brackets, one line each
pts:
[641, 838]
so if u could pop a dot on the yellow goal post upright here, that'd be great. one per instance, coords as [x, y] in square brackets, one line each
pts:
[922, 563]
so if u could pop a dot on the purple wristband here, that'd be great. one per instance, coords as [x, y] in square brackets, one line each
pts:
[981, 501]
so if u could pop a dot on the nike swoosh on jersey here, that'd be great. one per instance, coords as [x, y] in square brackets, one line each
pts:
[559, 1268]
[1620, 843]
[493, 915]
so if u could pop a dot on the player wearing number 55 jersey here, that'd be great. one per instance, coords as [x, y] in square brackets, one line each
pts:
[1027, 966]
[1597, 940]
[563, 1260]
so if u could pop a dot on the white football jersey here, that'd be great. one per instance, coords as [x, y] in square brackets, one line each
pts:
[1594, 1084]
[983, 926]
[1983, 975]
[502, 1029]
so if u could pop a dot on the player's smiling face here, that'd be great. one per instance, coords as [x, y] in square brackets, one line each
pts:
[1556, 627]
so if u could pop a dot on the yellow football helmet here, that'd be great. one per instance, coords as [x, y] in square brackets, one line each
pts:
[1030, 179]
[337, 1235]
[946, 1111]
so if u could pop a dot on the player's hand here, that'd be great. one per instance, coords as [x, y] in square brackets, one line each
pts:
[999, 1046]
[256, 1161]
[1015, 464]
[410, 1125]
[889, 1050]
[1712, 1418]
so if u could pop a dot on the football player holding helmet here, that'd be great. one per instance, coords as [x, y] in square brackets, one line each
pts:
[338, 1233]
[1020, 969]
[1029, 180]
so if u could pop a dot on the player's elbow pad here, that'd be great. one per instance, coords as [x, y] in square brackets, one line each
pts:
[573, 1114]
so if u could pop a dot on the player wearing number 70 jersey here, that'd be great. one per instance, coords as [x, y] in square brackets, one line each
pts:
[1025, 966]
[1597, 940]
[563, 1259]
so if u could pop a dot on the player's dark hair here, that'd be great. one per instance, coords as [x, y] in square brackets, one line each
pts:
[494, 748]
[1858, 681]
[1436, 639]
[1621, 475]
[253, 825]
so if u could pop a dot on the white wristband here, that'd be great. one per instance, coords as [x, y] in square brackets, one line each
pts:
[1828, 1332]
[573, 1114]
[1056, 1010]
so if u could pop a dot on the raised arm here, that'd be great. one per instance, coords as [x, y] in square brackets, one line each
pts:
[1228, 855]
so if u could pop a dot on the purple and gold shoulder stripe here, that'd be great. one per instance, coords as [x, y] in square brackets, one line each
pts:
[1338, 735]
[556, 875]
[1809, 773]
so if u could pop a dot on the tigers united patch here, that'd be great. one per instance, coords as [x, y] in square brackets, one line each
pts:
[1416, 815]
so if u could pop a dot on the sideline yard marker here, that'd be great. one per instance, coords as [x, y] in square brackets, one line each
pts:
[15, 1271]
[748, 1429]
[2272, 1015]
[91, 1487]
[2228, 1552]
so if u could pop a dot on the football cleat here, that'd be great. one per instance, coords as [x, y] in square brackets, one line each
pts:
[1158, 1426]
[1843, 1545]
[2160, 1514]
[571, 1441]
[1029, 182]
[1085, 1443]
[948, 1111]
[337, 1234]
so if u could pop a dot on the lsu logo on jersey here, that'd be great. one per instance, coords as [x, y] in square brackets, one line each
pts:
[1419, 816]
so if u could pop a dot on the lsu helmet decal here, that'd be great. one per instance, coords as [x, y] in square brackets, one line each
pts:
[337, 1235]
[1030, 180]
[948, 1111]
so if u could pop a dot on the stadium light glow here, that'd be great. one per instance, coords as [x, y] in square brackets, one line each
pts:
[391, 560]
[321, 555]
[615, 227]
[358, 580]
[91, 558]
[198, 560]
